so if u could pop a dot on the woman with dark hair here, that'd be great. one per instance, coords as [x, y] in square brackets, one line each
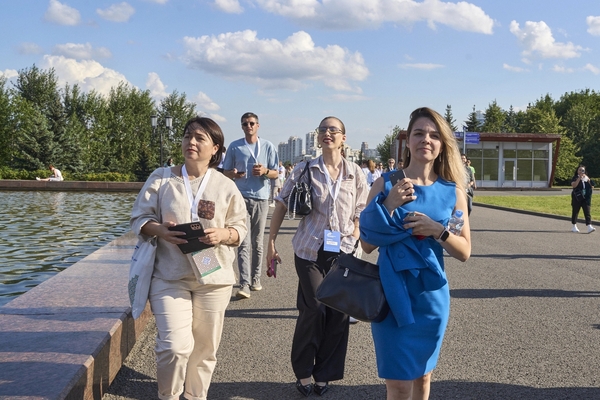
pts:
[188, 300]
[339, 192]
[581, 198]
[408, 221]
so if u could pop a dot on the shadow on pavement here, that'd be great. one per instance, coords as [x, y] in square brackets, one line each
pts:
[497, 293]
[499, 391]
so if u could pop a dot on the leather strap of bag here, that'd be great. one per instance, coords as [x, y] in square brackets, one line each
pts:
[306, 169]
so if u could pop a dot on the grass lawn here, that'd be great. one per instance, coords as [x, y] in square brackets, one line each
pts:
[557, 205]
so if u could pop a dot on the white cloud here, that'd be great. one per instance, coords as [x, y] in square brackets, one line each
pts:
[593, 25]
[359, 14]
[29, 48]
[88, 74]
[423, 66]
[347, 98]
[205, 102]
[229, 6]
[62, 14]
[537, 40]
[158, 1]
[217, 118]
[561, 69]
[272, 64]
[117, 12]
[81, 51]
[9, 73]
[158, 90]
[591, 68]
[514, 69]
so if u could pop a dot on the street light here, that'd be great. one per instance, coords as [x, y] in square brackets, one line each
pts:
[169, 124]
[154, 123]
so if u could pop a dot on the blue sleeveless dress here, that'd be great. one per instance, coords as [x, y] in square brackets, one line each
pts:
[408, 341]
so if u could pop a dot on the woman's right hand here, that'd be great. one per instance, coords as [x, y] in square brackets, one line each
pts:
[164, 233]
[272, 253]
[402, 192]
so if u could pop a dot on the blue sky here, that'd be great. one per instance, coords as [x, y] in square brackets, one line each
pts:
[293, 62]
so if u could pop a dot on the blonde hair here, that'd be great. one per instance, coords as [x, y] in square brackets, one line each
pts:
[448, 164]
[371, 165]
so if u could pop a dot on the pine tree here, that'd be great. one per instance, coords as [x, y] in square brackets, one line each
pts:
[472, 123]
[450, 119]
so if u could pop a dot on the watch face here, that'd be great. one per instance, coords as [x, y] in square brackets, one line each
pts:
[445, 236]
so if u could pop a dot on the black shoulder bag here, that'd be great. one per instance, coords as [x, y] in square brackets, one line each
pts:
[300, 199]
[353, 286]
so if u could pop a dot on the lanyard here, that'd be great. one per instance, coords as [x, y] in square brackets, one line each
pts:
[334, 190]
[252, 151]
[188, 189]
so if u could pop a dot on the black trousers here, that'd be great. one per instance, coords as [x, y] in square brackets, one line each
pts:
[576, 206]
[321, 336]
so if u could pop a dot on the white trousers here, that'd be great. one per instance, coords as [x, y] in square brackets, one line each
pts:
[189, 317]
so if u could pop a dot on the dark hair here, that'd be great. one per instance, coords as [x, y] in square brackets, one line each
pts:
[577, 170]
[249, 115]
[212, 129]
[339, 120]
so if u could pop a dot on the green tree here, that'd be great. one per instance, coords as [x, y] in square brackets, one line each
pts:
[129, 111]
[494, 118]
[450, 118]
[539, 120]
[511, 123]
[32, 137]
[6, 129]
[385, 148]
[472, 123]
[180, 110]
[567, 161]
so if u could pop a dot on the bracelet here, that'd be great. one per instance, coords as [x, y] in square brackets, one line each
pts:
[229, 238]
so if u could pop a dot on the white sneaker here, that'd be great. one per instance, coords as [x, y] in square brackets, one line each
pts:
[591, 229]
[353, 320]
[575, 229]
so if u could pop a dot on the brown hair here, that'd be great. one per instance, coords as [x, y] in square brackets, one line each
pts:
[448, 164]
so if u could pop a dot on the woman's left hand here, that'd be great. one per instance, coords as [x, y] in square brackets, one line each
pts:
[422, 225]
[214, 236]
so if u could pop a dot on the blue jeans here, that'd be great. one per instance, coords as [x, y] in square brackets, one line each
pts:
[250, 252]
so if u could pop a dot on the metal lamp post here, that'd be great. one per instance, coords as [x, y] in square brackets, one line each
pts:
[168, 124]
[154, 123]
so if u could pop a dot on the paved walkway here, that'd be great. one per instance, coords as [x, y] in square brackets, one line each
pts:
[524, 324]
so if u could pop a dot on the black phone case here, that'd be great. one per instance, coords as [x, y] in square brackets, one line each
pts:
[396, 176]
[193, 231]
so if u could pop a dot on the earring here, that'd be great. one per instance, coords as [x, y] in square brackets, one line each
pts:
[319, 145]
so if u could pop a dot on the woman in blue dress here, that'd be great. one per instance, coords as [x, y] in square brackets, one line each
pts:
[408, 221]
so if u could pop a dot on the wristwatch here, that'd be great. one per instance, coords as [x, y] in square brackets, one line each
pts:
[266, 174]
[443, 236]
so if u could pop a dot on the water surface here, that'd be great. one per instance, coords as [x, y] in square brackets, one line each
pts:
[42, 233]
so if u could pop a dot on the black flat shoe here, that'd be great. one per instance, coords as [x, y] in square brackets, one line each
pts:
[321, 390]
[306, 390]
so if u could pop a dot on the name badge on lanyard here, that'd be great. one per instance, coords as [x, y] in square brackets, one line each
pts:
[332, 241]
[332, 238]
[188, 189]
[204, 261]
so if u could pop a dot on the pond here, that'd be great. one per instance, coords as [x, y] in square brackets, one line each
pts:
[42, 233]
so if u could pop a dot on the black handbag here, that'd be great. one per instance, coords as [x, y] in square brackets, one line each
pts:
[300, 199]
[579, 196]
[353, 286]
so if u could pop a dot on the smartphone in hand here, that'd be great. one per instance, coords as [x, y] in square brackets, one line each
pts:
[397, 176]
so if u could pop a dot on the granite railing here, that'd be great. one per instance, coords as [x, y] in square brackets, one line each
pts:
[68, 337]
[65, 186]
